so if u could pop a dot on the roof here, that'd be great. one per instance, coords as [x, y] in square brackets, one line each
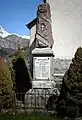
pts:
[32, 23]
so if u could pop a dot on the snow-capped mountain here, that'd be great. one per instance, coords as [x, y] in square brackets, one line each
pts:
[4, 33]
[10, 42]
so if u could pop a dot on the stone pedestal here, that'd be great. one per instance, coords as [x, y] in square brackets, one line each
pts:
[43, 68]
[43, 82]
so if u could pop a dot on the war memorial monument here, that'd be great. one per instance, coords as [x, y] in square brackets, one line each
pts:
[41, 43]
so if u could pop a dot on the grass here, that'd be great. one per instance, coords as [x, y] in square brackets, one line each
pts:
[36, 116]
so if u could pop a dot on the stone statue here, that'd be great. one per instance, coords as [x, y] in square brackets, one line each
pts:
[43, 35]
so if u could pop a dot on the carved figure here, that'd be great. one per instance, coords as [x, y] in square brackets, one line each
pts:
[44, 36]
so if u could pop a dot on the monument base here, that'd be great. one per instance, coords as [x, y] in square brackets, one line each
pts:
[43, 84]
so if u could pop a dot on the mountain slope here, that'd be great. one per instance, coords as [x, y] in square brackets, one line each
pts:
[61, 65]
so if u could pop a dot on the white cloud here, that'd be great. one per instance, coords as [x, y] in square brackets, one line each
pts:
[25, 36]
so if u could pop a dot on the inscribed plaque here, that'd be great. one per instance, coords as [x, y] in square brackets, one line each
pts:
[41, 68]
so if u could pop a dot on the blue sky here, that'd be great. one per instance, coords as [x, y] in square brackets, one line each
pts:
[14, 14]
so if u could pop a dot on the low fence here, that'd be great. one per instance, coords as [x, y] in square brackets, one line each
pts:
[34, 99]
[37, 99]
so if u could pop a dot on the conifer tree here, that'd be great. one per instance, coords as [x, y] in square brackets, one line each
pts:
[22, 76]
[5, 84]
[70, 100]
[12, 58]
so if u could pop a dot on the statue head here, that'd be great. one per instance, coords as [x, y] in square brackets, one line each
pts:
[44, 1]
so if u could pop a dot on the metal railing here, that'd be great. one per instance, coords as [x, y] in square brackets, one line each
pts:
[33, 99]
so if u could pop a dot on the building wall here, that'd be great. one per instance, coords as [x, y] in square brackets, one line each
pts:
[66, 26]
